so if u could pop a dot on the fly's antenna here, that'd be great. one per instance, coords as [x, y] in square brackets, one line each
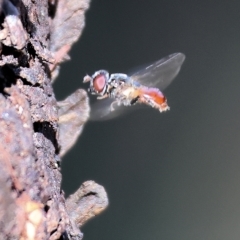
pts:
[87, 78]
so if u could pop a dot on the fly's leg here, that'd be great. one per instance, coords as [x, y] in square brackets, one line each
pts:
[102, 97]
[134, 100]
[112, 105]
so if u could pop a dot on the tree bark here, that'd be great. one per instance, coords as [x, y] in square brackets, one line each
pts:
[35, 130]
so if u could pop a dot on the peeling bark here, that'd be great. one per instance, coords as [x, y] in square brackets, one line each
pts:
[35, 130]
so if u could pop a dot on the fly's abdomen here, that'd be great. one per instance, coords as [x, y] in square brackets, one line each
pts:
[154, 98]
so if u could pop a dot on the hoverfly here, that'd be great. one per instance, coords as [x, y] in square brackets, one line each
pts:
[143, 87]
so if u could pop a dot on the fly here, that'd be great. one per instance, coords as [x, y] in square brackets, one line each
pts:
[143, 87]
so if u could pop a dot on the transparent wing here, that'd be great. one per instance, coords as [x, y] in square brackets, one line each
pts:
[100, 109]
[106, 109]
[161, 73]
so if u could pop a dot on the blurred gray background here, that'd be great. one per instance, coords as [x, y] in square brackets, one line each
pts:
[174, 175]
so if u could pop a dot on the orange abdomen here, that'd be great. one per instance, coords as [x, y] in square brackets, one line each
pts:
[154, 98]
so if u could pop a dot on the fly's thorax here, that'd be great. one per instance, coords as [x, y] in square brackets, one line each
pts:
[117, 83]
[130, 92]
[118, 78]
[125, 94]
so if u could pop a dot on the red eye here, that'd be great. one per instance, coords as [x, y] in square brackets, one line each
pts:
[99, 83]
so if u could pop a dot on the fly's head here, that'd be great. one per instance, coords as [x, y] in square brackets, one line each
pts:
[99, 82]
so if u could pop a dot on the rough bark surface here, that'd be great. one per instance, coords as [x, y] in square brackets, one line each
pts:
[35, 36]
